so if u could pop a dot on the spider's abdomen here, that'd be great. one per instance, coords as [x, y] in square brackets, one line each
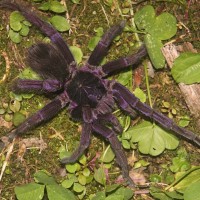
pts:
[85, 89]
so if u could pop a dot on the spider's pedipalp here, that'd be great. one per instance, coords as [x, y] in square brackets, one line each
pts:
[47, 61]
[124, 62]
[45, 27]
[103, 45]
[147, 111]
[84, 143]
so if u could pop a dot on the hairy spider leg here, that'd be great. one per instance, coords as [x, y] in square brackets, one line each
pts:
[84, 143]
[36, 86]
[116, 146]
[124, 62]
[46, 113]
[122, 94]
[103, 45]
[124, 106]
[45, 27]
[111, 120]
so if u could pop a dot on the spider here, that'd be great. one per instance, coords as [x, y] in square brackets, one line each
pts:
[89, 96]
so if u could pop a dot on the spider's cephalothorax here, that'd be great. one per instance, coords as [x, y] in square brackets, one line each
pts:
[89, 96]
[85, 89]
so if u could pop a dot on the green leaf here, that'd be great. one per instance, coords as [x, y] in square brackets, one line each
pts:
[27, 23]
[86, 172]
[99, 196]
[16, 16]
[186, 68]
[15, 20]
[18, 118]
[59, 193]
[82, 179]
[152, 139]
[60, 23]
[174, 195]
[77, 53]
[45, 6]
[125, 78]
[164, 27]
[99, 176]
[56, 7]
[108, 155]
[16, 26]
[24, 30]
[186, 179]
[114, 197]
[140, 95]
[126, 193]
[14, 105]
[67, 183]
[72, 168]
[31, 191]
[44, 178]
[78, 187]
[192, 191]
[111, 188]
[28, 73]
[99, 31]
[155, 178]
[15, 36]
[184, 121]
[160, 196]
[83, 160]
[126, 144]
[145, 18]
[154, 50]
[93, 42]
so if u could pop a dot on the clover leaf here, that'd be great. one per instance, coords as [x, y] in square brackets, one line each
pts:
[152, 139]
[145, 17]
[158, 28]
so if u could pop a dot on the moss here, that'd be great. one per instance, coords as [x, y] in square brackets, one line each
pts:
[84, 18]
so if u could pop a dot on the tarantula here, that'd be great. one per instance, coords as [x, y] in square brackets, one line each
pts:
[90, 97]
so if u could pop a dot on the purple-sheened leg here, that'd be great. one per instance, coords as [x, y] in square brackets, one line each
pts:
[84, 143]
[121, 63]
[103, 45]
[124, 105]
[36, 86]
[45, 27]
[46, 113]
[116, 147]
[111, 120]
[122, 92]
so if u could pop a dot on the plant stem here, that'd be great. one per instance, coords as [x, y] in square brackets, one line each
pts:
[147, 83]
